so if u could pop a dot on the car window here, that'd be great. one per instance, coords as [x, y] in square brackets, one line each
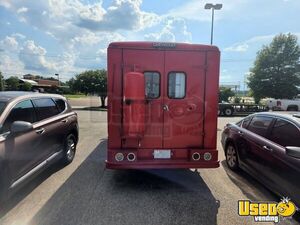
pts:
[23, 111]
[45, 108]
[246, 122]
[285, 134]
[61, 105]
[260, 124]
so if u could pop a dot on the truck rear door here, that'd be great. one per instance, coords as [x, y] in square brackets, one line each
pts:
[183, 101]
[175, 88]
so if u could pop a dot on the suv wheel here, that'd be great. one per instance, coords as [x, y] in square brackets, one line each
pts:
[232, 157]
[70, 149]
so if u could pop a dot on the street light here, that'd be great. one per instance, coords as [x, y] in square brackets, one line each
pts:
[213, 8]
[57, 79]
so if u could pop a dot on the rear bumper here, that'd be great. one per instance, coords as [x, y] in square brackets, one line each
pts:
[161, 165]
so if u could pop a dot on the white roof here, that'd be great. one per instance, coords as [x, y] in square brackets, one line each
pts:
[29, 81]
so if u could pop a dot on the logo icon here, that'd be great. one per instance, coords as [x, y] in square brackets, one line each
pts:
[267, 211]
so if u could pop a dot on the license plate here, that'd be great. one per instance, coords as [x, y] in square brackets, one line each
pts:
[162, 154]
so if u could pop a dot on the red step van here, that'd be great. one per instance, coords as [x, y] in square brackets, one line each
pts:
[162, 105]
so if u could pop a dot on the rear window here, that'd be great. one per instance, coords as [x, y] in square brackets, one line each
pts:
[176, 85]
[152, 84]
[61, 105]
[260, 124]
[45, 108]
[285, 134]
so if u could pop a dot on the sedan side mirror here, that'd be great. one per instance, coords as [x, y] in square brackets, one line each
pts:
[20, 127]
[293, 151]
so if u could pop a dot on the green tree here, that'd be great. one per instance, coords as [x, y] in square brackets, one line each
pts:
[276, 70]
[26, 87]
[91, 82]
[2, 82]
[12, 83]
[225, 93]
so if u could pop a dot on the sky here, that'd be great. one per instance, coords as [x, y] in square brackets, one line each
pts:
[70, 36]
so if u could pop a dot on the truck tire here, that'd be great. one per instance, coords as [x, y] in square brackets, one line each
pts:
[292, 108]
[228, 111]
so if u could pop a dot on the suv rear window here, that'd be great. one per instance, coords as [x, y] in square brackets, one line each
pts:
[45, 108]
[260, 124]
[61, 105]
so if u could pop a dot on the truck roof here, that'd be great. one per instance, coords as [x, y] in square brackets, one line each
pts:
[162, 45]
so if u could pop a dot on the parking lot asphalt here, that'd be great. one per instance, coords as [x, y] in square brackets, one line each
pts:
[84, 192]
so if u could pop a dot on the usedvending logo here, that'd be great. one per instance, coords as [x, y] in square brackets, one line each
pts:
[267, 211]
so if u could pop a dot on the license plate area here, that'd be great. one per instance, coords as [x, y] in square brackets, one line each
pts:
[161, 154]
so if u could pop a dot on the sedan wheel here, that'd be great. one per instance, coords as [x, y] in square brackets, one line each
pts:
[231, 157]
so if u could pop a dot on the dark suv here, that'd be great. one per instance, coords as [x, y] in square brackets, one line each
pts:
[35, 130]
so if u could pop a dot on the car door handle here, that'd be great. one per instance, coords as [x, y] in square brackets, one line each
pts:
[64, 121]
[267, 148]
[40, 131]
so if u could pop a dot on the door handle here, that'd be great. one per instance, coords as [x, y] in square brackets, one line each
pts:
[166, 107]
[40, 131]
[64, 121]
[267, 148]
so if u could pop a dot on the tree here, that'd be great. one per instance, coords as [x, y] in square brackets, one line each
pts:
[91, 82]
[2, 83]
[276, 70]
[26, 86]
[12, 83]
[225, 94]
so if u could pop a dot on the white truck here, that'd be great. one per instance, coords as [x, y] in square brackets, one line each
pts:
[284, 104]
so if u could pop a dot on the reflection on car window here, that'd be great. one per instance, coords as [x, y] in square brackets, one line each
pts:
[152, 84]
[285, 134]
[45, 108]
[260, 124]
[23, 111]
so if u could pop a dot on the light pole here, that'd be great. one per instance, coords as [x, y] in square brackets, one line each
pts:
[57, 79]
[213, 8]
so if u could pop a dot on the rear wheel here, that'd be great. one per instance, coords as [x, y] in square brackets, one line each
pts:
[232, 157]
[228, 112]
[69, 149]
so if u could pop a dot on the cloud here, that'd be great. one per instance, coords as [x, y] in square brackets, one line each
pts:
[255, 41]
[237, 48]
[22, 10]
[9, 43]
[174, 29]
[33, 57]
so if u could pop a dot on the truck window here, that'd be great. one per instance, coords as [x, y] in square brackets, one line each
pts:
[152, 84]
[176, 85]
[285, 134]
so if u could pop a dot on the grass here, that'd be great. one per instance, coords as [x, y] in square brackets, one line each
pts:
[75, 96]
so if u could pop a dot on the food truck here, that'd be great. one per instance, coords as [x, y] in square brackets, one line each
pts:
[162, 105]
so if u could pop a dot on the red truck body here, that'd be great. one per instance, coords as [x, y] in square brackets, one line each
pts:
[162, 105]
